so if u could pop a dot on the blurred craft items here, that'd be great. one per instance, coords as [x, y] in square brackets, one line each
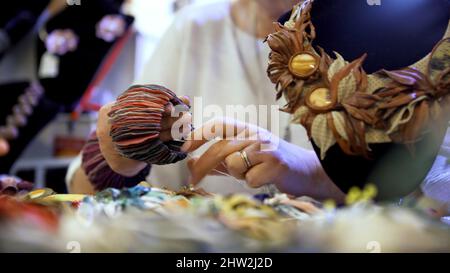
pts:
[17, 18]
[11, 185]
[44, 221]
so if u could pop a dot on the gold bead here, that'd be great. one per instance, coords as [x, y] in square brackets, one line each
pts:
[320, 98]
[303, 64]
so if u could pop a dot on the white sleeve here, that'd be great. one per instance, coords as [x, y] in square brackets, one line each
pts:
[163, 66]
[73, 167]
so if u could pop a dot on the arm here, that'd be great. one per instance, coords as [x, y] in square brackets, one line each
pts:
[119, 164]
[130, 137]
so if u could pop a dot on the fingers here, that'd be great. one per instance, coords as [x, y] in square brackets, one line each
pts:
[174, 111]
[214, 156]
[260, 175]
[178, 130]
[224, 128]
[175, 127]
[184, 120]
[236, 165]
[221, 169]
[186, 100]
[168, 108]
[218, 171]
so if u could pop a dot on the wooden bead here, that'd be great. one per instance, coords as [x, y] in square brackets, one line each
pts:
[136, 124]
[320, 98]
[303, 64]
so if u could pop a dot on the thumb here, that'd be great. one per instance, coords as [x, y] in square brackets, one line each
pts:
[186, 100]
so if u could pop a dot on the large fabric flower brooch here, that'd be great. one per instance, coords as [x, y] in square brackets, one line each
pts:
[338, 102]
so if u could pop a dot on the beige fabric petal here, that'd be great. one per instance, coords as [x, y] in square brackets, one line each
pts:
[377, 136]
[374, 82]
[439, 62]
[337, 65]
[431, 65]
[339, 123]
[322, 134]
[399, 118]
[347, 85]
[299, 113]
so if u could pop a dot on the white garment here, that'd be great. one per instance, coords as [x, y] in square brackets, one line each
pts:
[200, 56]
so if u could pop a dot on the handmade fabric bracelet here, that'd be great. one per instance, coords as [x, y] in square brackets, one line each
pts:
[136, 125]
[100, 174]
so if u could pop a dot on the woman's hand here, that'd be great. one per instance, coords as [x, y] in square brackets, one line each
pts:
[255, 155]
[125, 166]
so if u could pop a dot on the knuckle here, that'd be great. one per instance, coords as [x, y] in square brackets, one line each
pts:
[219, 149]
[282, 164]
[251, 181]
[229, 162]
[274, 160]
[233, 168]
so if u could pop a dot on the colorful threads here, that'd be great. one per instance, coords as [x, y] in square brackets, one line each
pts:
[136, 125]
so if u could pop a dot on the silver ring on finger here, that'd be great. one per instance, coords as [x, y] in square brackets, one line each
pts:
[246, 160]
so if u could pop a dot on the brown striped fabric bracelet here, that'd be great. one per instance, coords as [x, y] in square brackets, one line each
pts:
[100, 174]
[136, 125]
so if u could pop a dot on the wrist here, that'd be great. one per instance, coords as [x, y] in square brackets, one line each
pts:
[103, 175]
[305, 176]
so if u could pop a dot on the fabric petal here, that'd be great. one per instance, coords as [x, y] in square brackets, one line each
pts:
[322, 134]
